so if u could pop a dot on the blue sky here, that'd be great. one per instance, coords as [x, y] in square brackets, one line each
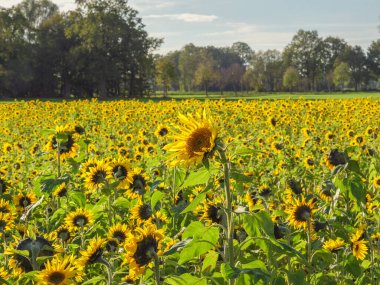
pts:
[265, 24]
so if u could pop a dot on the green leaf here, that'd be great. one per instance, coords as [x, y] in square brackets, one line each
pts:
[95, 280]
[209, 262]
[185, 279]
[202, 243]
[353, 166]
[21, 252]
[250, 225]
[200, 176]
[193, 205]
[264, 222]
[47, 132]
[297, 278]
[156, 197]
[192, 229]
[78, 198]
[357, 192]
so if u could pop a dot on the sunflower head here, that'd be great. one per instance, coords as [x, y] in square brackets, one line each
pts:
[93, 252]
[118, 233]
[79, 219]
[195, 139]
[58, 271]
[300, 213]
[333, 245]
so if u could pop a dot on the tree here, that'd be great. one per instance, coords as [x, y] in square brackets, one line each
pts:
[243, 50]
[357, 62]
[206, 70]
[304, 53]
[373, 57]
[188, 63]
[165, 72]
[291, 78]
[342, 74]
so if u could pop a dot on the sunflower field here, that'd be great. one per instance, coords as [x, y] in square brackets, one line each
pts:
[190, 192]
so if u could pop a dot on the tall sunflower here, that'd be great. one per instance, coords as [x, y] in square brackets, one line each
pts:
[195, 139]
[80, 218]
[300, 212]
[58, 271]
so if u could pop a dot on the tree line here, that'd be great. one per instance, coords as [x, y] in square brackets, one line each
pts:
[308, 63]
[101, 49]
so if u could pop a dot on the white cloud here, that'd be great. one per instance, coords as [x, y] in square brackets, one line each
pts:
[185, 17]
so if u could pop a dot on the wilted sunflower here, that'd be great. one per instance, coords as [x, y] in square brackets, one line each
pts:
[98, 175]
[58, 271]
[79, 219]
[118, 232]
[122, 172]
[300, 212]
[23, 200]
[196, 138]
[140, 246]
[333, 245]
[139, 185]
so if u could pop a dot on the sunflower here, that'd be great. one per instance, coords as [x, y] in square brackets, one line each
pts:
[326, 191]
[3, 274]
[139, 185]
[252, 200]
[67, 147]
[359, 249]
[210, 212]
[122, 172]
[196, 138]
[23, 200]
[376, 182]
[98, 175]
[309, 162]
[6, 222]
[79, 219]
[118, 232]
[161, 131]
[300, 212]
[86, 166]
[5, 207]
[333, 245]
[58, 271]
[93, 252]
[63, 233]
[4, 186]
[140, 246]
[336, 158]
[61, 190]
[141, 212]
[123, 151]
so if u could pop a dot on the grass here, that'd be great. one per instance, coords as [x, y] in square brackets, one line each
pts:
[232, 96]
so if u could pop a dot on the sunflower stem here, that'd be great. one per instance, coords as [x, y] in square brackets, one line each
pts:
[308, 248]
[59, 158]
[229, 242]
[156, 268]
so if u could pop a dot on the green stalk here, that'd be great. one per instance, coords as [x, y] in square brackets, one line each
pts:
[156, 268]
[228, 245]
[59, 158]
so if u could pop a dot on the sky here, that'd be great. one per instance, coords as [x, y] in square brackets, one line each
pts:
[264, 24]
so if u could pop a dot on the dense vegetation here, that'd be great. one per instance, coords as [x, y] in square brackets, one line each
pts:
[102, 50]
[228, 192]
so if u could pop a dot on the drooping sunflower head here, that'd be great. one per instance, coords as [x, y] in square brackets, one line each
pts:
[58, 271]
[300, 213]
[93, 252]
[326, 191]
[79, 219]
[195, 139]
[333, 245]
[336, 158]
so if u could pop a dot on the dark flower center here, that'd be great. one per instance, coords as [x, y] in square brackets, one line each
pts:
[119, 235]
[310, 161]
[302, 213]
[198, 141]
[138, 184]
[80, 220]
[163, 132]
[24, 202]
[143, 254]
[56, 277]
[212, 214]
[119, 172]
[145, 212]
[63, 234]
[99, 177]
